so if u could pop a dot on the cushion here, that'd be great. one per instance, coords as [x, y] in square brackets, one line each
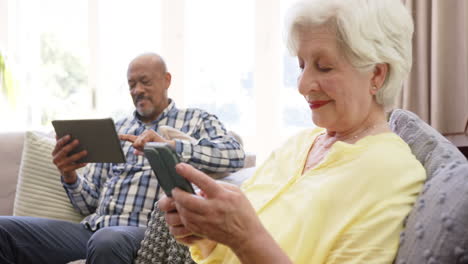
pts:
[432, 149]
[159, 246]
[39, 191]
[238, 177]
[437, 228]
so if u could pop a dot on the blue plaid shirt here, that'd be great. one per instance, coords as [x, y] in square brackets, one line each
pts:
[124, 194]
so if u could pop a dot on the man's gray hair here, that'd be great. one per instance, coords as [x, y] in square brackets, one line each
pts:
[369, 31]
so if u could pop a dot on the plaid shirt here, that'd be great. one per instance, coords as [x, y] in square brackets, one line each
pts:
[124, 194]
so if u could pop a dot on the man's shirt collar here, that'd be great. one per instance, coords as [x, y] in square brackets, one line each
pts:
[164, 113]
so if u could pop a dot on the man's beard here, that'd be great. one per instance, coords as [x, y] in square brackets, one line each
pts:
[142, 111]
[145, 112]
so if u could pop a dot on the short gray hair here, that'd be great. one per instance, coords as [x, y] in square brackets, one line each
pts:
[369, 31]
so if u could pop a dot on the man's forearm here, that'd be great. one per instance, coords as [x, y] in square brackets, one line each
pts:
[212, 156]
[79, 192]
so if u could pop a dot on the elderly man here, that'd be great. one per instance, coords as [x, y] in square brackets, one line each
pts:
[118, 198]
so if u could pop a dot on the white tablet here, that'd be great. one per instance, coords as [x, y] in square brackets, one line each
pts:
[97, 136]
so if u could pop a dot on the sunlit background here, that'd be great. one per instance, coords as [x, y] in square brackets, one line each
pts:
[68, 59]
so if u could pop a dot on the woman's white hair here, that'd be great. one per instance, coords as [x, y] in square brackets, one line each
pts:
[369, 31]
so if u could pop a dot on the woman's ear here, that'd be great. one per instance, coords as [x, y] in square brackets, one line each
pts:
[379, 76]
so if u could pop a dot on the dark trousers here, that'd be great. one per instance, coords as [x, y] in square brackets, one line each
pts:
[39, 240]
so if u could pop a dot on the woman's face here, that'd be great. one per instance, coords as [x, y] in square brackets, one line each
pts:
[339, 95]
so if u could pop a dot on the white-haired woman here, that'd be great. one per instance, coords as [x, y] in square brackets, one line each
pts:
[335, 194]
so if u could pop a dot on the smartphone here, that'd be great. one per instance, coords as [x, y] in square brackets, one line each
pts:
[163, 160]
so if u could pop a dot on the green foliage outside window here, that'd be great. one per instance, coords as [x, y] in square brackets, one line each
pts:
[63, 76]
[7, 82]
[65, 72]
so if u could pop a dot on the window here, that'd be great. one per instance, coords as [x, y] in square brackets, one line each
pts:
[46, 53]
[219, 61]
[120, 31]
[70, 59]
[59, 85]
[295, 113]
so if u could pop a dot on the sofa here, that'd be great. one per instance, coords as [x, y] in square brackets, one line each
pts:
[436, 231]
[11, 146]
[30, 183]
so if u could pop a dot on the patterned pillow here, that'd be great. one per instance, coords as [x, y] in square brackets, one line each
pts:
[39, 191]
[159, 246]
[436, 230]
[432, 149]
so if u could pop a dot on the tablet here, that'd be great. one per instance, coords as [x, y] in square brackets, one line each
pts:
[97, 136]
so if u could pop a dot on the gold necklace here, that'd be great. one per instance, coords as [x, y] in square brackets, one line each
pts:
[326, 144]
[354, 137]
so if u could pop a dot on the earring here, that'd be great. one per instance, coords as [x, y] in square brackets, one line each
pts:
[374, 88]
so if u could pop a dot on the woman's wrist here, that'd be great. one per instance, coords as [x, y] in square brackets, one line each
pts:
[205, 246]
[261, 248]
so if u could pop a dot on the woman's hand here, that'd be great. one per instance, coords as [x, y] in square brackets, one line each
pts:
[221, 212]
[178, 230]
[176, 227]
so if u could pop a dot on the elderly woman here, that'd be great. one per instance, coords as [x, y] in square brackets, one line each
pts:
[334, 194]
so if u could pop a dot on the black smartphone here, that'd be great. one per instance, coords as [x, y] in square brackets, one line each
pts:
[163, 160]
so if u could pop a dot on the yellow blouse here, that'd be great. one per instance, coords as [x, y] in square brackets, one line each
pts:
[347, 209]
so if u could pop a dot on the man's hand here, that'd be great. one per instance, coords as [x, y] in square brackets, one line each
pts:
[67, 165]
[147, 136]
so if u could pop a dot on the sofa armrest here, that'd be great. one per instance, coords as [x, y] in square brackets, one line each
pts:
[11, 146]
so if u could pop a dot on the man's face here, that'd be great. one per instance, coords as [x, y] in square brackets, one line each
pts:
[148, 85]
